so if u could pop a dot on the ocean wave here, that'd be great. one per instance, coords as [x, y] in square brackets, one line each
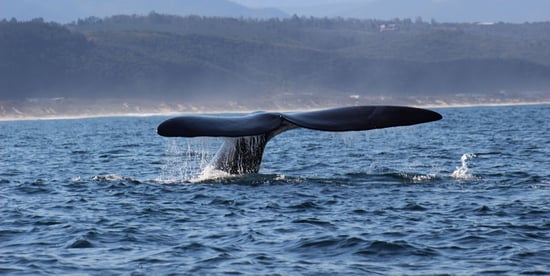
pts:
[394, 248]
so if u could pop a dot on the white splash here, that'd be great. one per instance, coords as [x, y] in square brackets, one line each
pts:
[463, 172]
[113, 178]
[423, 178]
[209, 173]
[185, 163]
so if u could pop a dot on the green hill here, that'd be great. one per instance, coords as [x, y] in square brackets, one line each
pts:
[198, 59]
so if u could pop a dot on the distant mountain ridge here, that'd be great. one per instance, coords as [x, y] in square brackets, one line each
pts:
[64, 11]
[206, 59]
[517, 11]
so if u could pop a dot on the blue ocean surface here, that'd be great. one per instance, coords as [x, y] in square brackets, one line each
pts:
[469, 194]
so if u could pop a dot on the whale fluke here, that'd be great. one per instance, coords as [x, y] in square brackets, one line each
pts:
[247, 135]
[217, 126]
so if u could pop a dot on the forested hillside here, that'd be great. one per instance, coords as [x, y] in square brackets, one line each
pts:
[198, 59]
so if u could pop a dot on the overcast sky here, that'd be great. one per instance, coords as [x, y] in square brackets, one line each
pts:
[294, 3]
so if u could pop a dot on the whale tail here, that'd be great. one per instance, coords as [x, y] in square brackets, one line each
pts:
[248, 135]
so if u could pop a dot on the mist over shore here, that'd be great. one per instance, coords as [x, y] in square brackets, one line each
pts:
[76, 108]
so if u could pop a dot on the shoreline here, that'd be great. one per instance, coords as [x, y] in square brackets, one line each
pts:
[247, 110]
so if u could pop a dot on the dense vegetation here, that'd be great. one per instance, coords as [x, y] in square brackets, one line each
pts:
[194, 57]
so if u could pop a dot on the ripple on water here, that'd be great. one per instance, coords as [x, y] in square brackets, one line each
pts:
[315, 221]
[379, 248]
[80, 243]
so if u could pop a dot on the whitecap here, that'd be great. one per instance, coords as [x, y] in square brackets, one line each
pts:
[423, 178]
[114, 178]
[108, 177]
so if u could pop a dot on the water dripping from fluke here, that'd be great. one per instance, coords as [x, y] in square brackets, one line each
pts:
[187, 163]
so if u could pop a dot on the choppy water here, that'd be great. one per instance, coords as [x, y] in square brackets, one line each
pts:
[465, 195]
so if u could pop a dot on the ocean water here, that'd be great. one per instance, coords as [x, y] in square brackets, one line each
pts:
[469, 194]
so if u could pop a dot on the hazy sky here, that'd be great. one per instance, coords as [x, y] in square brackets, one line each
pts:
[294, 3]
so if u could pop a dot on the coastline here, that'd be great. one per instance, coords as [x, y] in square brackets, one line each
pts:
[163, 109]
